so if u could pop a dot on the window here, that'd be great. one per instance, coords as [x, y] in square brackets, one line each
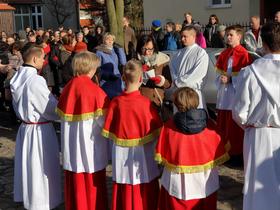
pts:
[37, 20]
[219, 3]
[28, 16]
[22, 17]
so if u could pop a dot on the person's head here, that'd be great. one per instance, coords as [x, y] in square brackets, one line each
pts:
[132, 72]
[86, 30]
[34, 56]
[15, 48]
[79, 37]
[31, 37]
[188, 35]
[27, 29]
[16, 36]
[65, 40]
[234, 35]
[186, 98]
[277, 17]
[221, 30]
[10, 40]
[40, 32]
[126, 21]
[85, 63]
[60, 28]
[109, 39]
[255, 22]
[270, 34]
[188, 17]
[178, 27]
[170, 26]
[99, 30]
[56, 36]
[3, 36]
[146, 45]
[70, 31]
[63, 33]
[156, 25]
[213, 19]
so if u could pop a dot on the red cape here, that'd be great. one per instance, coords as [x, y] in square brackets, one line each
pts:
[240, 56]
[189, 153]
[131, 120]
[81, 99]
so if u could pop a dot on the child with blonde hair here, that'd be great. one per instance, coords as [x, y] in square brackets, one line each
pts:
[81, 107]
[133, 124]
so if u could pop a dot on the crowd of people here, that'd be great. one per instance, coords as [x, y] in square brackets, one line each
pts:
[138, 108]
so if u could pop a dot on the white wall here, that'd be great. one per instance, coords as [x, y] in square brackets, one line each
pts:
[174, 10]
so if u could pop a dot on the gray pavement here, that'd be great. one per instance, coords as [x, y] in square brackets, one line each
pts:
[229, 194]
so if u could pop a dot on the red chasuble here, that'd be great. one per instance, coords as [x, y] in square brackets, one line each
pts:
[189, 153]
[131, 120]
[81, 99]
[240, 56]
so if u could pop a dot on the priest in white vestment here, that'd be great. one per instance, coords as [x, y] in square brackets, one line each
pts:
[257, 108]
[37, 171]
[189, 65]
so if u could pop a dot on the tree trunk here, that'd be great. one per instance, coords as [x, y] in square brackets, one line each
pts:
[115, 10]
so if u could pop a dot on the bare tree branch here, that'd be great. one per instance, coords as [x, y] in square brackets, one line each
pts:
[60, 9]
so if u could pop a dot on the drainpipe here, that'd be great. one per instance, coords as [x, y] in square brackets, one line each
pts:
[78, 14]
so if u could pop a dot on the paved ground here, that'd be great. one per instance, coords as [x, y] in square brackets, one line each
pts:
[229, 195]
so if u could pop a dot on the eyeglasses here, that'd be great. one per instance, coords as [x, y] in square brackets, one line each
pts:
[147, 49]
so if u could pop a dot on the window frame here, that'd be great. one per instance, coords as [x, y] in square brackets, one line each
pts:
[221, 5]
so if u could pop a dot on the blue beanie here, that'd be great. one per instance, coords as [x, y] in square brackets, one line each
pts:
[156, 23]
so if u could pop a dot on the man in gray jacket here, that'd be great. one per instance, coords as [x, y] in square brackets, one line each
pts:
[252, 38]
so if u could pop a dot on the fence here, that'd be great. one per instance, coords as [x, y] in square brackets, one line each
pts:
[147, 30]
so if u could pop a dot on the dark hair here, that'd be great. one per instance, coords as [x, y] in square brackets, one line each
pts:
[15, 46]
[16, 36]
[65, 40]
[214, 16]
[143, 40]
[270, 34]
[101, 27]
[172, 25]
[86, 27]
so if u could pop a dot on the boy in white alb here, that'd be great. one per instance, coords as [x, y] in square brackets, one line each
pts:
[37, 170]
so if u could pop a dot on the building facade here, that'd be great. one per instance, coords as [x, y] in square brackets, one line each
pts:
[42, 13]
[228, 11]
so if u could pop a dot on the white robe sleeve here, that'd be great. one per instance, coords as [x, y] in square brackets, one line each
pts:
[44, 102]
[194, 76]
[242, 98]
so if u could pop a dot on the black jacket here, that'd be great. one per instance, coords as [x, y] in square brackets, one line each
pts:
[192, 121]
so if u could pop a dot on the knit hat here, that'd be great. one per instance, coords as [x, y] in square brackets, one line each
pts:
[156, 23]
[221, 28]
[80, 46]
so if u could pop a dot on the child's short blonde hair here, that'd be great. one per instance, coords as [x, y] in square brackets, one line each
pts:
[132, 71]
[84, 62]
[186, 98]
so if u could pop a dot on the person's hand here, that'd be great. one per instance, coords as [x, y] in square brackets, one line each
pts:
[225, 79]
